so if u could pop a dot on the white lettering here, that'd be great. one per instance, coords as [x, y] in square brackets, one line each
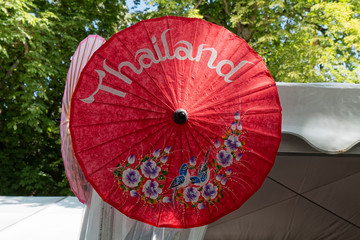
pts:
[104, 88]
[145, 57]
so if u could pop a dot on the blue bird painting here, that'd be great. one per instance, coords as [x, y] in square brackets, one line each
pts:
[180, 181]
[203, 174]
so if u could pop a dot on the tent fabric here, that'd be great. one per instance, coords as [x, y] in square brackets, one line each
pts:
[304, 197]
[323, 114]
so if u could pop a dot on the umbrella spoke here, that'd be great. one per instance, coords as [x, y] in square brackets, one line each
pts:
[236, 97]
[169, 102]
[120, 121]
[253, 111]
[122, 136]
[126, 150]
[222, 87]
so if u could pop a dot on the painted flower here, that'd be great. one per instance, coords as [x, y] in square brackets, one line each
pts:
[192, 161]
[166, 200]
[156, 153]
[167, 149]
[209, 191]
[239, 126]
[134, 193]
[131, 177]
[232, 143]
[131, 159]
[233, 126]
[219, 177]
[150, 169]
[224, 158]
[237, 115]
[191, 194]
[164, 159]
[223, 182]
[201, 206]
[238, 157]
[151, 189]
[217, 143]
[229, 171]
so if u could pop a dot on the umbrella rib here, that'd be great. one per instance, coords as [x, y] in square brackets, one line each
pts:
[162, 68]
[262, 133]
[247, 177]
[181, 157]
[114, 139]
[145, 100]
[207, 138]
[208, 123]
[197, 143]
[76, 73]
[247, 129]
[253, 91]
[110, 192]
[191, 67]
[233, 103]
[187, 141]
[220, 87]
[162, 136]
[171, 47]
[175, 136]
[135, 144]
[254, 111]
[154, 82]
[114, 122]
[123, 106]
[92, 47]
[166, 180]
[172, 130]
[270, 109]
[261, 156]
[137, 95]
[209, 83]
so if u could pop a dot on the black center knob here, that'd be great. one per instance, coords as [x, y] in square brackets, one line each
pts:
[180, 116]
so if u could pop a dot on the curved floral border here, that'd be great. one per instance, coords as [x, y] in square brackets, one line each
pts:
[146, 179]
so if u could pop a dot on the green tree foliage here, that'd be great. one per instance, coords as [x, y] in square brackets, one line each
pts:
[37, 39]
[300, 41]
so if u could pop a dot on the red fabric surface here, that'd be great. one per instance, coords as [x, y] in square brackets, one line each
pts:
[122, 129]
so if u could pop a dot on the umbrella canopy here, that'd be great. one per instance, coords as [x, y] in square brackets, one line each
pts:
[78, 184]
[175, 122]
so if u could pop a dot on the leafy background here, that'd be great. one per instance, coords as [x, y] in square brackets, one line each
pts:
[300, 41]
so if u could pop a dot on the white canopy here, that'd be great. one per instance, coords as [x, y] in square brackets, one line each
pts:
[327, 116]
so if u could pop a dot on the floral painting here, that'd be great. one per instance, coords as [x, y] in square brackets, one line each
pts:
[198, 184]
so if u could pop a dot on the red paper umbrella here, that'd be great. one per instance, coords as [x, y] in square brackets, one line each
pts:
[86, 48]
[175, 122]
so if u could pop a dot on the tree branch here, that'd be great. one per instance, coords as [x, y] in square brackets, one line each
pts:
[16, 63]
[212, 19]
[226, 8]
[197, 4]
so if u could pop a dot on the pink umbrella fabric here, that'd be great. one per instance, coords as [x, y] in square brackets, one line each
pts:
[84, 51]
